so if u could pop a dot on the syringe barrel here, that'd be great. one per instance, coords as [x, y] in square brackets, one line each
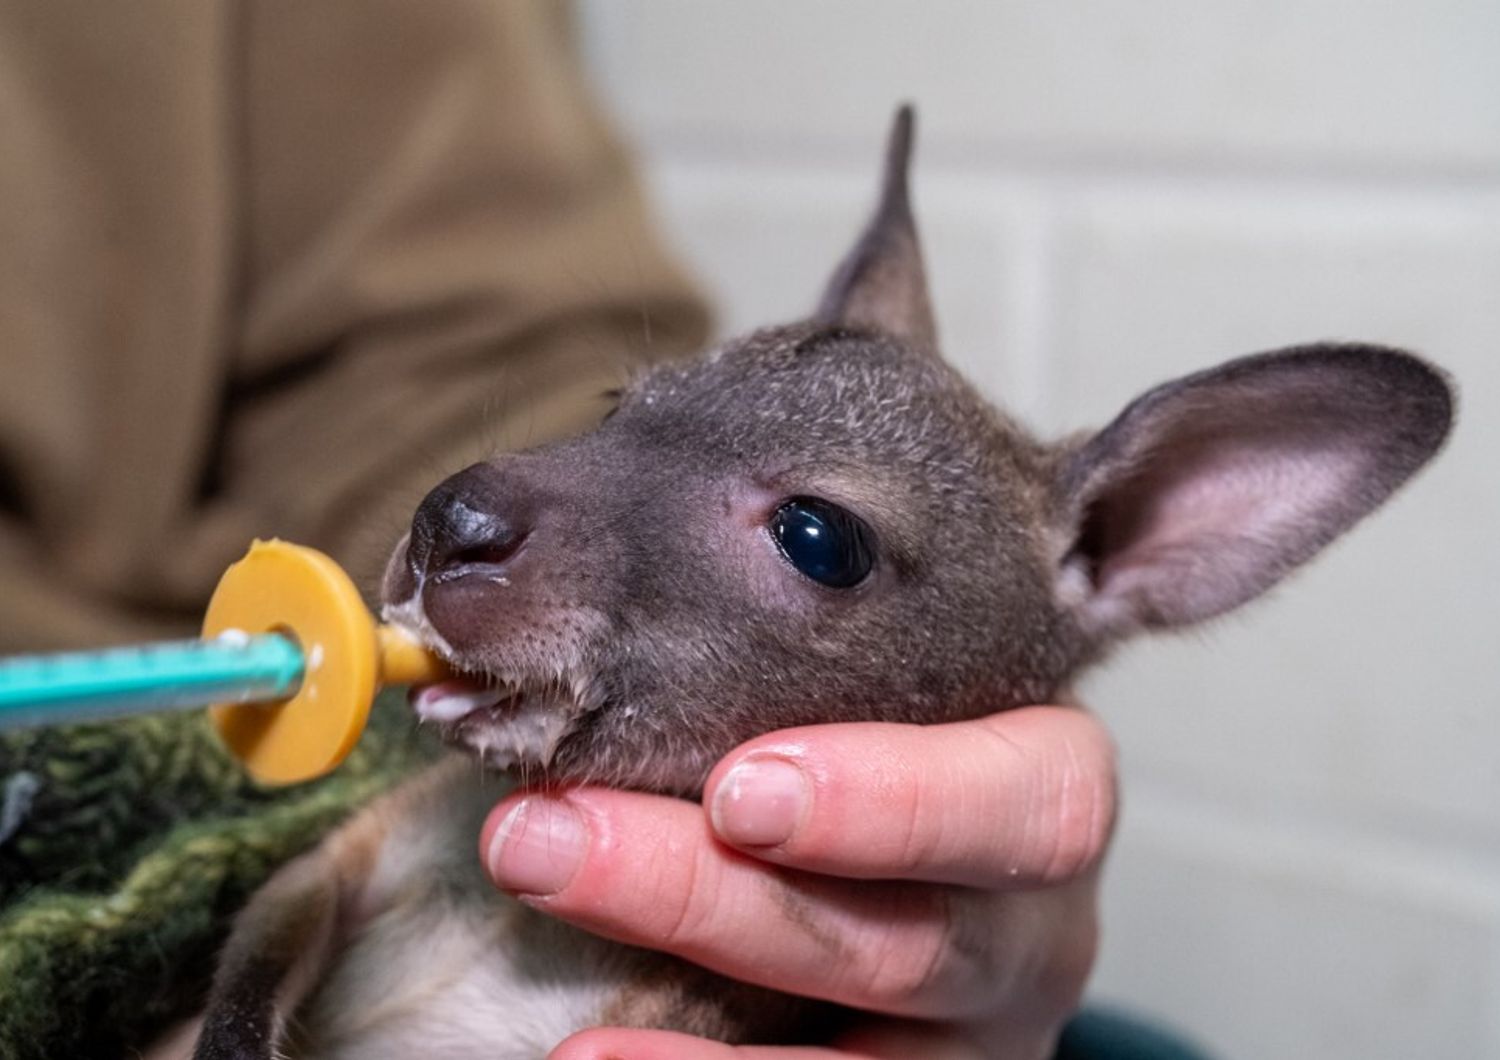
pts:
[67, 687]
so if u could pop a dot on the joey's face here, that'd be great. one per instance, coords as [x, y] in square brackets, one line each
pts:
[813, 524]
[823, 523]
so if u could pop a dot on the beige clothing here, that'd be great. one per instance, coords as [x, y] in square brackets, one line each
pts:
[272, 268]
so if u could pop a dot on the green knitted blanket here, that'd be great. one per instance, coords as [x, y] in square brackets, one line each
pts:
[125, 850]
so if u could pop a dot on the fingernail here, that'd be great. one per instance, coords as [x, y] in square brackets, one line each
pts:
[760, 802]
[538, 847]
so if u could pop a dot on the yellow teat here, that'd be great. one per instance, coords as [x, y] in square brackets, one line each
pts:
[302, 594]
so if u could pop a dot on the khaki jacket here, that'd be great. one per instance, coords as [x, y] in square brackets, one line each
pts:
[275, 268]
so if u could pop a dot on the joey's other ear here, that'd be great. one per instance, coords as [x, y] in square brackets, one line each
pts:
[1208, 490]
[881, 284]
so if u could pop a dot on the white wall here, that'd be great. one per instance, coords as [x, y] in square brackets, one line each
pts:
[1309, 863]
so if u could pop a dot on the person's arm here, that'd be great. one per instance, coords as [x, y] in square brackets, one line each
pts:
[944, 877]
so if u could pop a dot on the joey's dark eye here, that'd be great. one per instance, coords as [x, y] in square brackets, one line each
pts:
[824, 542]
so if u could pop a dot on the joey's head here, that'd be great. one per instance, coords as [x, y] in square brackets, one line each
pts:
[823, 522]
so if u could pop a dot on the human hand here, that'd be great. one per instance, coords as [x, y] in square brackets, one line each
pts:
[943, 877]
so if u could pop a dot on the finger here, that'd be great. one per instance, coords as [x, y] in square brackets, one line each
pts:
[1014, 800]
[611, 1044]
[888, 1041]
[646, 870]
[883, 1040]
[1014, 1037]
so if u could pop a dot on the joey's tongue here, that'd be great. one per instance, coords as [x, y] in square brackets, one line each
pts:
[453, 699]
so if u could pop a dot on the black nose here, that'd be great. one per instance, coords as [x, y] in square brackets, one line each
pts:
[469, 519]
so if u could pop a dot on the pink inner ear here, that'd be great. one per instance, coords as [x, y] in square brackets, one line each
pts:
[1207, 490]
[1209, 521]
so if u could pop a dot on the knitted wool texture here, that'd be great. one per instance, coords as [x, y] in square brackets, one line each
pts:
[125, 850]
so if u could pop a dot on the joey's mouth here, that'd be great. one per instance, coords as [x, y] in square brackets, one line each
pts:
[507, 707]
[457, 700]
[503, 724]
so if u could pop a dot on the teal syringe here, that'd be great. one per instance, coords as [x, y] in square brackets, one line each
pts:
[290, 661]
[175, 675]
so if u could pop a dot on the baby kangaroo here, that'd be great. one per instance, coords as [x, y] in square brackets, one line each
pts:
[814, 523]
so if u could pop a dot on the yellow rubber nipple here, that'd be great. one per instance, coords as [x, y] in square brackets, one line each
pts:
[302, 594]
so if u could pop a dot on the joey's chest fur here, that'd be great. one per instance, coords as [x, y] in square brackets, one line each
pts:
[816, 523]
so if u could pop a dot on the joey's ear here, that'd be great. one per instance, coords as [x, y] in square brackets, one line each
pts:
[881, 284]
[1208, 490]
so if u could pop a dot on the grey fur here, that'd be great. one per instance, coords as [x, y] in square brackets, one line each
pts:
[648, 584]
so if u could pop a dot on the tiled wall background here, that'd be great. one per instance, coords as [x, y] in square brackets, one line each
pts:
[1309, 862]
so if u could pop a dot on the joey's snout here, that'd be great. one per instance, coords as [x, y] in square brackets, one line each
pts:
[474, 522]
[483, 577]
[467, 565]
